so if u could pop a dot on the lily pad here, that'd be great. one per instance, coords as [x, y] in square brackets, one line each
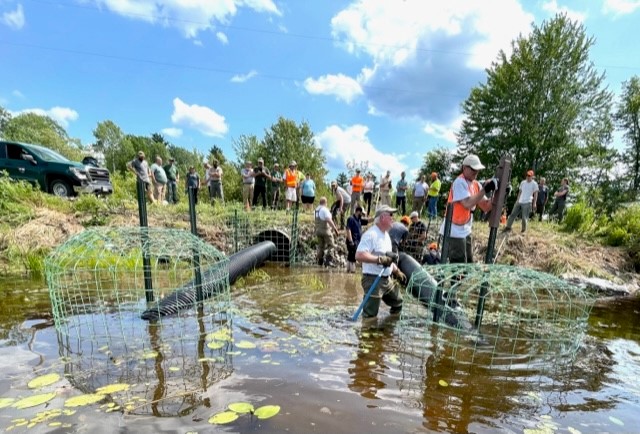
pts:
[572, 430]
[443, 383]
[215, 345]
[267, 411]
[43, 380]
[241, 407]
[6, 402]
[34, 400]
[150, 355]
[112, 388]
[245, 345]
[78, 401]
[224, 417]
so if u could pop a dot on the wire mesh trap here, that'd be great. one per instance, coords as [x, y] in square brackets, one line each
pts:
[525, 318]
[101, 281]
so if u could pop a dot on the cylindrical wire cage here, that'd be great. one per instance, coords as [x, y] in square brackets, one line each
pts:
[102, 280]
[494, 315]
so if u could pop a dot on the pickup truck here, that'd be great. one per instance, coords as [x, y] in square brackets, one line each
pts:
[54, 173]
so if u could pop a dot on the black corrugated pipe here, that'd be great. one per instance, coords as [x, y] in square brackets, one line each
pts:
[423, 287]
[240, 264]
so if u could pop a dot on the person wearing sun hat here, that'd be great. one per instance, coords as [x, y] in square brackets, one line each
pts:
[371, 253]
[527, 196]
[466, 193]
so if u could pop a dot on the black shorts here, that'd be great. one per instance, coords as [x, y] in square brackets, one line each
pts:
[308, 199]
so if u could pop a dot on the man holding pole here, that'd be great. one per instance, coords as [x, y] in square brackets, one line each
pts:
[466, 192]
[371, 253]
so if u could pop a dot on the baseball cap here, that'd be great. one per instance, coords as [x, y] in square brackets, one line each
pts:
[293, 163]
[260, 160]
[247, 162]
[140, 154]
[172, 159]
[530, 173]
[433, 246]
[358, 170]
[405, 219]
[385, 208]
[276, 164]
[414, 214]
[472, 161]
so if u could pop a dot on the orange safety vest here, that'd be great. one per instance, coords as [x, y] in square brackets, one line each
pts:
[357, 183]
[291, 178]
[461, 215]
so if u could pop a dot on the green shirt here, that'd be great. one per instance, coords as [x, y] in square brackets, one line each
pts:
[172, 172]
[434, 188]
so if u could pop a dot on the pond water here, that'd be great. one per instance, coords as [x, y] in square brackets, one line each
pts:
[288, 341]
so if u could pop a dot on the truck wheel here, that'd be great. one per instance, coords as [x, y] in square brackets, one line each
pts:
[60, 188]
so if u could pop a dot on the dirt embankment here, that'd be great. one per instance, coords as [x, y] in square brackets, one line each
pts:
[542, 247]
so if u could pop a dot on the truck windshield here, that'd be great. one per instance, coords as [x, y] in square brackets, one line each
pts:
[47, 154]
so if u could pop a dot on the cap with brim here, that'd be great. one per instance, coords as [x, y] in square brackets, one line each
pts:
[293, 163]
[140, 154]
[172, 159]
[385, 208]
[472, 161]
[414, 214]
[260, 160]
[247, 162]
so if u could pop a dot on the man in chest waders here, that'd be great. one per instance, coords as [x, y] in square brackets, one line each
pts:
[325, 228]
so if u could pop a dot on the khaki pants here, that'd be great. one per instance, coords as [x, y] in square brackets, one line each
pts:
[326, 247]
[247, 193]
[386, 291]
[158, 191]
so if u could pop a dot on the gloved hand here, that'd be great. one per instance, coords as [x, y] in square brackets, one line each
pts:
[385, 261]
[350, 244]
[400, 276]
[508, 190]
[490, 185]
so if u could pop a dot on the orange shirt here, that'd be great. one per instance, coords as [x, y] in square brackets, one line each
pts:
[357, 183]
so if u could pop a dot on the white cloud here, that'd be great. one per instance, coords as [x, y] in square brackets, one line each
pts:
[424, 57]
[17, 94]
[444, 131]
[243, 78]
[222, 38]
[172, 132]
[61, 115]
[15, 19]
[190, 16]
[553, 8]
[342, 87]
[351, 143]
[201, 118]
[620, 7]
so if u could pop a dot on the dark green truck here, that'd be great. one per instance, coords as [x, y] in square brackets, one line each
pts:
[54, 173]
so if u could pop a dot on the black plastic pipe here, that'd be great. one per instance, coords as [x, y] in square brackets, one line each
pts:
[240, 264]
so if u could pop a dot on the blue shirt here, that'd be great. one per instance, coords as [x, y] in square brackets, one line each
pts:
[309, 188]
[354, 224]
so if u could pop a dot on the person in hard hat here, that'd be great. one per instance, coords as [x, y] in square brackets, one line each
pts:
[432, 256]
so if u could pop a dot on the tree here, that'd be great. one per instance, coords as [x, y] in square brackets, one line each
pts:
[541, 105]
[41, 130]
[283, 142]
[109, 138]
[628, 119]
[215, 153]
[342, 179]
[439, 160]
[5, 117]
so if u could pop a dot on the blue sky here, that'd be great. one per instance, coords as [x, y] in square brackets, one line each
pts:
[378, 80]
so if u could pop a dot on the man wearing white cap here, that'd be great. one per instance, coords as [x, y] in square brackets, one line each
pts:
[466, 192]
[371, 253]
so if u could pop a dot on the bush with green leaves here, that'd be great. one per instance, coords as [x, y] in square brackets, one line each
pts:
[580, 218]
[624, 228]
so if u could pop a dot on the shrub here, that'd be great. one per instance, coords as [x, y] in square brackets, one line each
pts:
[580, 218]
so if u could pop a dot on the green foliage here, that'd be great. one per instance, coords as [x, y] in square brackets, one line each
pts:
[624, 228]
[627, 118]
[580, 218]
[39, 130]
[542, 104]
[342, 179]
[283, 142]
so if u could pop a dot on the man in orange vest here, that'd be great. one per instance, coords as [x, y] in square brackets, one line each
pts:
[357, 184]
[464, 195]
[291, 183]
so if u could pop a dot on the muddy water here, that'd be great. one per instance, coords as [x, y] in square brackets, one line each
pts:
[293, 345]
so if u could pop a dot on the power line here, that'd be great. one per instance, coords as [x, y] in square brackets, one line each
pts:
[208, 69]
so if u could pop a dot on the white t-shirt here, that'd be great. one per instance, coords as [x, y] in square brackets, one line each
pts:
[346, 197]
[212, 171]
[420, 189]
[527, 188]
[368, 186]
[460, 192]
[323, 213]
[377, 243]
